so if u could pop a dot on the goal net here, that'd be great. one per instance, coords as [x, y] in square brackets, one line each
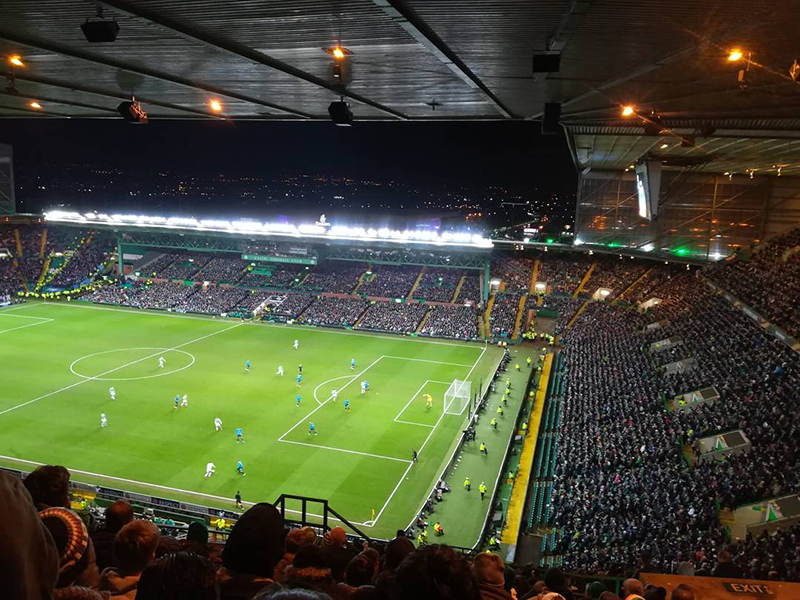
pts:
[457, 397]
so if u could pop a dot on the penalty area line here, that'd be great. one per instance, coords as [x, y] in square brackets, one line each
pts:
[402, 460]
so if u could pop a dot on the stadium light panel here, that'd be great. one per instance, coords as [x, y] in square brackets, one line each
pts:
[735, 55]
[313, 231]
[16, 60]
[35, 105]
[628, 111]
[215, 105]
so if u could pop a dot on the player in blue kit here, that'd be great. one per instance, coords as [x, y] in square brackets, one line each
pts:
[347, 405]
[247, 366]
[311, 428]
[239, 437]
[298, 400]
[353, 363]
[240, 468]
[177, 400]
[299, 379]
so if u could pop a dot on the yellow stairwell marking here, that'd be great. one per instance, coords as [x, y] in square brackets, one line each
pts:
[489, 306]
[458, 288]
[577, 314]
[523, 300]
[416, 283]
[633, 285]
[534, 277]
[516, 503]
[584, 280]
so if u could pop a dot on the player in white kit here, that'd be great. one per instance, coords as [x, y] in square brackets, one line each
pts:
[218, 424]
[161, 362]
[112, 392]
[280, 371]
[185, 401]
[296, 344]
[335, 394]
[103, 421]
[210, 468]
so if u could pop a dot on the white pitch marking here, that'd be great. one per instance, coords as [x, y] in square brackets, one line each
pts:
[160, 487]
[425, 443]
[82, 381]
[352, 379]
[348, 451]
[435, 362]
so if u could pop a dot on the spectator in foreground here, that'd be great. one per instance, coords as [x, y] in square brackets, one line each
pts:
[682, 592]
[48, 486]
[726, 568]
[181, 576]
[337, 554]
[436, 573]
[296, 539]
[253, 549]
[309, 571]
[75, 553]
[489, 573]
[134, 548]
[196, 540]
[118, 514]
[29, 566]
[632, 589]
[555, 581]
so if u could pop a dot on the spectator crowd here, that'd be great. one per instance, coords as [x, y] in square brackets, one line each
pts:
[56, 555]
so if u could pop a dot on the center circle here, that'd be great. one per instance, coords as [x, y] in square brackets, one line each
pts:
[156, 352]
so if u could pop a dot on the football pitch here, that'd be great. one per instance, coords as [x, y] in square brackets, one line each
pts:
[58, 361]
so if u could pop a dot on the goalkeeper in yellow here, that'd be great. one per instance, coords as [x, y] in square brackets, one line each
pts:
[428, 400]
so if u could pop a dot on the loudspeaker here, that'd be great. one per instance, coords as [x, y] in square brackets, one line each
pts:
[340, 114]
[132, 112]
[551, 119]
[546, 63]
[100, 31]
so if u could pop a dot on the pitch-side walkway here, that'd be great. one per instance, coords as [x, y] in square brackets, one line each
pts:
[460, 510]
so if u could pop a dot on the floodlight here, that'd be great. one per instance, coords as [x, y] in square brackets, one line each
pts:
[34, 104]
[628, 111]
[215, 105]
[735, 55]
[16, 60]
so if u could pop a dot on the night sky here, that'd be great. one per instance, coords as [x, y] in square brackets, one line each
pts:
[465, 155]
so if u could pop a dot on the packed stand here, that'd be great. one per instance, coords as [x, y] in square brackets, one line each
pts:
[615, 274]
[113, 294]
[515, 272]
[334, 312]
[85, 262]
[654, 284]
[185, 265]
[292, 306]
[163, 296]
[124, 555]
[566, 308]
[504, 315]
[769, 282]
[471, 289]
[390, 281]
[621, 483]
[336, 277]
[159, 265]
[282, 277]
[458, 322]
[563, 274]
[213, 300]
[393, 317]
[438, 285]
[222, 269]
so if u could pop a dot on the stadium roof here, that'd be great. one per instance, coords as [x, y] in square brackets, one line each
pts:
[423, 60]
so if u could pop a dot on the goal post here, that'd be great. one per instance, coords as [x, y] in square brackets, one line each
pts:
[457, 397]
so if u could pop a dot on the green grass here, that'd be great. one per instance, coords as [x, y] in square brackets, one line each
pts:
[58, 360]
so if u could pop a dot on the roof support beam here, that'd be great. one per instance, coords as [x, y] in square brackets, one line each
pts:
[47, 81]
[633, 74]
[71, 52]
[51, 100]
[411, 23]
[240, 51]
[569, 25]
